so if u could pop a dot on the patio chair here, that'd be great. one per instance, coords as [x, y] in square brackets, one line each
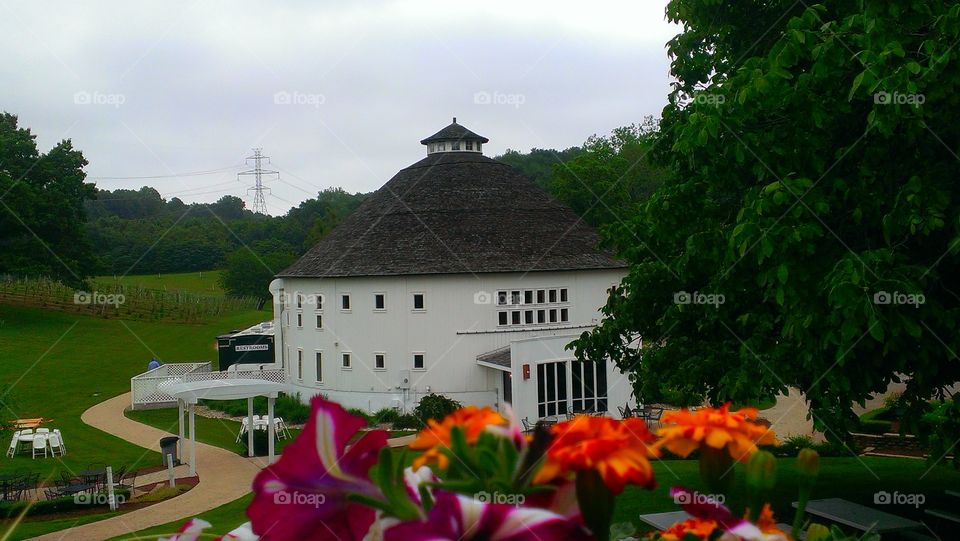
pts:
[654, 415]
[39, 444]
[527, 427]
[55, 445]
[52, 493]
[14, 442]
[63, 444]
[42, 431]
[243, 430]
[127, 480]
[280, 428]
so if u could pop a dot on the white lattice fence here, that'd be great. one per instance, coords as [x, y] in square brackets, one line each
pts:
[147, 389]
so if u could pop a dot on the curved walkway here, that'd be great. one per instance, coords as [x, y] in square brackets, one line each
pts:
[224, 477]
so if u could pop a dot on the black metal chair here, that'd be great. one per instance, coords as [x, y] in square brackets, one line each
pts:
[127, 480]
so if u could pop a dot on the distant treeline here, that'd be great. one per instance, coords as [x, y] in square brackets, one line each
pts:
[139, 232]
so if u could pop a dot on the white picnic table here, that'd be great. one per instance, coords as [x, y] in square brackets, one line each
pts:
[662, 521]
[858, 516]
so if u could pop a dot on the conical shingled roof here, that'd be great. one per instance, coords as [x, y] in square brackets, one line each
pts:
[454, 131]
[455, 212]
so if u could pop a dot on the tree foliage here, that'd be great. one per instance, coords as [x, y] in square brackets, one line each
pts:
[41, 207]
[813, 153]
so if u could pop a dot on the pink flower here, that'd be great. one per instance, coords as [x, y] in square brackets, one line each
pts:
[455, 517]
[303, 497]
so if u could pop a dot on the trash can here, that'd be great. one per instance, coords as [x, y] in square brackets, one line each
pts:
[168, 446]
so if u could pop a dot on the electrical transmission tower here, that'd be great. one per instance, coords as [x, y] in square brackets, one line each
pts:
[258, 172]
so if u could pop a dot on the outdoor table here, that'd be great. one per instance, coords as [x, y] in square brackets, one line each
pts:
[662, 521]
[858, 516]
[93, 477]
[70, 490]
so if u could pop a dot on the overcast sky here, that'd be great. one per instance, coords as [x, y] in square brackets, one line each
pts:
[336, 93]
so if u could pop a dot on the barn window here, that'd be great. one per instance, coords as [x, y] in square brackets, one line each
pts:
[418, 361]
[319, 367]
[345, 361]
[418, 302]
[379, 361]
[379, 301]
[345, 301]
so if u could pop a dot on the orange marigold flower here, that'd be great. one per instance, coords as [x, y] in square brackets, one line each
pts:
[766, 522]
[700, 527]
[719, 428]
[618, 450]
[471, 419]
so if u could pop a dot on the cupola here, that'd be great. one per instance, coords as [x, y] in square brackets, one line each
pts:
[454, 138]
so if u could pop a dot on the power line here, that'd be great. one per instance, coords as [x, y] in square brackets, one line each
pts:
[171, 175]
[259, 203]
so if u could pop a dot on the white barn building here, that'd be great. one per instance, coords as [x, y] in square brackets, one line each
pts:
[459, 276]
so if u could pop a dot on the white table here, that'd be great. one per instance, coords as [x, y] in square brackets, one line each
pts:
[858, 516]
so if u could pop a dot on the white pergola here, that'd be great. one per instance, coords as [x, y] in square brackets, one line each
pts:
[188, 393]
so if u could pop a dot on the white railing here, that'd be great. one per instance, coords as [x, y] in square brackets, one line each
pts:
[146, 389]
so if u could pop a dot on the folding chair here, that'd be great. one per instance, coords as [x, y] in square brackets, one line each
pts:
[243, 430]
[55, 445]
[14, 442]
[39, 444]
[63, 444]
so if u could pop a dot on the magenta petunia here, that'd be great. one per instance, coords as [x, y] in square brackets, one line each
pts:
[303, 496]
[456, 517]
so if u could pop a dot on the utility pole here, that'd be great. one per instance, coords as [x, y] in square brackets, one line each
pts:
[258, 172]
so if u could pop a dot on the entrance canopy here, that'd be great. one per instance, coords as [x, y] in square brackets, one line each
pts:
[188, 393]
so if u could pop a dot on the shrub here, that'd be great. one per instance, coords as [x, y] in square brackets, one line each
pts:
[290, 407]
[792, 445]
[435, 406]
[361, 413]
[57, 505]
[407, 421]
[942, 426]
[387, 415]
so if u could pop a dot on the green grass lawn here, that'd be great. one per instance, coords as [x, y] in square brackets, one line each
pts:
[218, 432]
[223, 519]
[203, 282]
[56, 365]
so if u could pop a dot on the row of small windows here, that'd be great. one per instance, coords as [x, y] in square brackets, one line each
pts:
[346, 362]
[379, 301]
[533, 317]
[454, 145]
[532, 296]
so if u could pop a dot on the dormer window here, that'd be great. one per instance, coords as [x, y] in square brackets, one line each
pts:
[469, 145]
[455, 145]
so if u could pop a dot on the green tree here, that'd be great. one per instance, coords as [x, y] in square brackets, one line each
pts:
[249, 270]
[813, 155]
[41, 207]
[611, 176]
